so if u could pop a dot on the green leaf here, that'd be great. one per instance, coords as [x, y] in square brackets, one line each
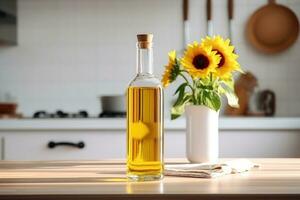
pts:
[182, 86]
[205, 81]
[176, 112]
[178, 109]
[232, 99]
[199, 95]
[227, 88]
[210, 99]
[221, 90]
[215, 101]
[180, 90]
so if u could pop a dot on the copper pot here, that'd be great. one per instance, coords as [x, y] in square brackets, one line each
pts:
[272, 28]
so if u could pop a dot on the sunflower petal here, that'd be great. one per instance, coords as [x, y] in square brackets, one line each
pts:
[228, 63]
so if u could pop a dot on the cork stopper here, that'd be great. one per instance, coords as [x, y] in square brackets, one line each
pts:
[145, 41]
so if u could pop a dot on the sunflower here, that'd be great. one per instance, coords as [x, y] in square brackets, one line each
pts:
[228, 62]
[171, 71]
[199, 60]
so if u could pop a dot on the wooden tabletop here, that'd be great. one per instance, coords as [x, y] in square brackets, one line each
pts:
[275, 179]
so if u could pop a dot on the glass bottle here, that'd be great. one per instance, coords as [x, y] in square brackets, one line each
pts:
[145, 118]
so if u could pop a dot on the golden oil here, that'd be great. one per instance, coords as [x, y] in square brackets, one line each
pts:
[144, 133]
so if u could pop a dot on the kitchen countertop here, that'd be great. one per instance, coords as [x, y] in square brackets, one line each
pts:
[225, 123]
[275, 179]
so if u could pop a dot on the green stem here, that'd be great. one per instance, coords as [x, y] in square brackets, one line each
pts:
[188, 83]
[186, 80]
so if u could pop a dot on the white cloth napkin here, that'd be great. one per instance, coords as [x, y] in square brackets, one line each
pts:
[208, 170]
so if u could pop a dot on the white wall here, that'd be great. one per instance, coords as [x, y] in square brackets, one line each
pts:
[72, 51]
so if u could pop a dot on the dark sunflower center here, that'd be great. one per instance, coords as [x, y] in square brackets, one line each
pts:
[222, 61]
[200, 61]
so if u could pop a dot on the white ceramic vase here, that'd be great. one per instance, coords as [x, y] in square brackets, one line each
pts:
[202, 134]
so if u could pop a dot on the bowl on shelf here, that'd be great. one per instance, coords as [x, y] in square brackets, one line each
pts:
[113, 103]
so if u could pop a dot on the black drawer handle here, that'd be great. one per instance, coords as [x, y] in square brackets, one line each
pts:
[79, 145]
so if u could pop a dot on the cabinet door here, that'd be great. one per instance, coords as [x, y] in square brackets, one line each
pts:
[242, 144]
[35, 145]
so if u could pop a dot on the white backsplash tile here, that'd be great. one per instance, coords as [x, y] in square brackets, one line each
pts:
[71, 52]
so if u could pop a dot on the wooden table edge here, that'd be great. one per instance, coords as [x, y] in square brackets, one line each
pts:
[152, 197]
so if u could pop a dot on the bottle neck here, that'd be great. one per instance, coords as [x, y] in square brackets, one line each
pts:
[144, 61]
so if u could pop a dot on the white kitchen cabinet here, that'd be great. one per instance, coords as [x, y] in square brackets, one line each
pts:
[101, 144]
[34, 145]
[260, 143]
[106, 138]
[243, 144]
[112, 144]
